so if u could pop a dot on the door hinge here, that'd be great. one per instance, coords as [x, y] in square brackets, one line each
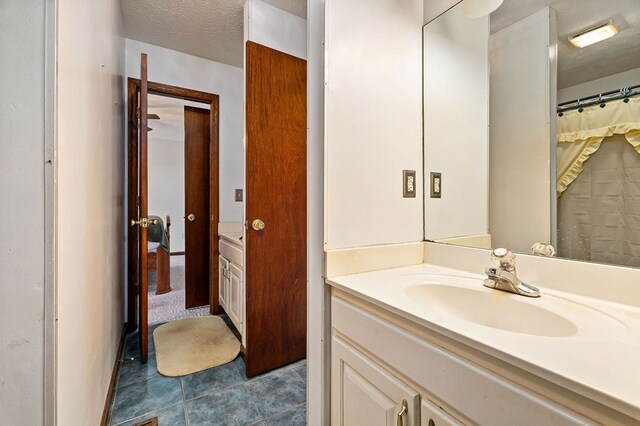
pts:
[138, 113]
[137, 289]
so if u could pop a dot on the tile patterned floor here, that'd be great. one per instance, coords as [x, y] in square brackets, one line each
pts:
[218, 396]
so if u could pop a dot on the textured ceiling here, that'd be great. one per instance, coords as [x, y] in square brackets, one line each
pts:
[211, 29]
[575, 66]
[617, 54]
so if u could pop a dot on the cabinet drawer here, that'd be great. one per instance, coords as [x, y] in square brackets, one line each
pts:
[474, 392]
[231, 252]
[432, 415]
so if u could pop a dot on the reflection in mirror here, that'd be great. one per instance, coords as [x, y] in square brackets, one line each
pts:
[532, 119]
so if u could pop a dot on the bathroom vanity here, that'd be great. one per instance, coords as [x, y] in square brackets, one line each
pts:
[476, 107]
[231, 282]
[428, 345]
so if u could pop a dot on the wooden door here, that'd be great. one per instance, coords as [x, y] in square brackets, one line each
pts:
[275, 270]
[143, 276]
[197, 221]
[363, 393]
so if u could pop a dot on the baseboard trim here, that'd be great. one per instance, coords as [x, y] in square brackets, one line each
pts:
[114, 378]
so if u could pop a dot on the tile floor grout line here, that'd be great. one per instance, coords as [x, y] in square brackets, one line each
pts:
[253, 403]
[286, 411]
[145, 414]
[212, 392]
[146, 379]
[184, 403]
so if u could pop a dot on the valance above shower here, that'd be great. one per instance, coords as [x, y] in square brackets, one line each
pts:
[579, 135]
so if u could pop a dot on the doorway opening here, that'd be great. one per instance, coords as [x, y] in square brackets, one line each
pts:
[182, 198]
[175, 183]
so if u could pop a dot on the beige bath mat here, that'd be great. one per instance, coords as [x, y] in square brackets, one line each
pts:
[193, 344]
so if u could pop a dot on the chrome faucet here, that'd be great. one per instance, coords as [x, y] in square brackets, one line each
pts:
[503, 276]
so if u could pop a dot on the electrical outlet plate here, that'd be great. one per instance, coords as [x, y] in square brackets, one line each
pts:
[409, 183]
[436, 185]
[238, 195]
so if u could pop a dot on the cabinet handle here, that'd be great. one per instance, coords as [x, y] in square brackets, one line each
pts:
[404, 410]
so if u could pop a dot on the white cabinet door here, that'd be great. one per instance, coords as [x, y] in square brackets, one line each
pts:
[223, 266]
[363, 393]
[235, 296]
[432, 415]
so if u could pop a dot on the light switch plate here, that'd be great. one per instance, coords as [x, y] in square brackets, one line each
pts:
[436, 185]
[409, 183]
[238, 195]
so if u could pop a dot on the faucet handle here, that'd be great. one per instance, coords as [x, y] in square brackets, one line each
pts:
[504, 258]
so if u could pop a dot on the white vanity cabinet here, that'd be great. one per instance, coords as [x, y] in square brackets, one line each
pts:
[231, 282]
[363, 393]
[378, 363]
[432, 415]
[223, 288]
[235, 296]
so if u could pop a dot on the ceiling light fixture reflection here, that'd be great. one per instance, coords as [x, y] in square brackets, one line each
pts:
[478, 8]
[594, 35]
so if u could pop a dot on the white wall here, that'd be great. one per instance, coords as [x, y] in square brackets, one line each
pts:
[22, 212]
[433, 8]
[318, 323]
[166, 185]
[90, 246]
[605, 84]
[456, 121]
[179, 69]
[272, 27]
[522, 97]
[373, 121]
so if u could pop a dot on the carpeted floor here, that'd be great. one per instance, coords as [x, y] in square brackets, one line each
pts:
[170, 306]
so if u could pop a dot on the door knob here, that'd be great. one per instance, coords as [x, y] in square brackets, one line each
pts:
[144, 222]
[257, 224]
[191, 217]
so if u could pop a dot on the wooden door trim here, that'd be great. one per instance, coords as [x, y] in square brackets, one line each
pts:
[143, 171]
[132, 208]
[153, 88]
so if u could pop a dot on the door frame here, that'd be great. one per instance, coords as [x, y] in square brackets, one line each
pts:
[213, 100]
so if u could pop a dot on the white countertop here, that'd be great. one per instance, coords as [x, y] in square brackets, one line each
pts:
[601, 361]
[232, 237]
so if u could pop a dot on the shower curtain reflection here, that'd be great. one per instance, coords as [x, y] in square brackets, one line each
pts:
[599, 212]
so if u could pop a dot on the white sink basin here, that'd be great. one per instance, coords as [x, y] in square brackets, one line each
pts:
[459, 298]
[494, 309]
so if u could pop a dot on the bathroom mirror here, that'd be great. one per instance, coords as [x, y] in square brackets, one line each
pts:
[532, 128]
